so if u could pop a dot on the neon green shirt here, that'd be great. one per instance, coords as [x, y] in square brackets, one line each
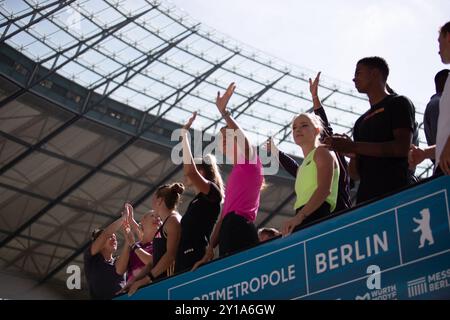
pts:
[306, 182]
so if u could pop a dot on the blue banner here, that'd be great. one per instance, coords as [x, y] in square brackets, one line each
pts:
[395, 248]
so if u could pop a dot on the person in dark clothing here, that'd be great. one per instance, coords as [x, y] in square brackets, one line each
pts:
[382, 135]
[201, 215]
[100, 264]
[291, 166]
[166, 240]
[430, 118]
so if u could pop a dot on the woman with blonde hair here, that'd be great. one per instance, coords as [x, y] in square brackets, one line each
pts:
[137, 254]
[316, 184]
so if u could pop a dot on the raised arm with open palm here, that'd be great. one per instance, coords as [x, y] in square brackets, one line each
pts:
[221, 103]
[314, 89]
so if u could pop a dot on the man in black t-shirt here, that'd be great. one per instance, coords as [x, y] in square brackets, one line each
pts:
[382, 135]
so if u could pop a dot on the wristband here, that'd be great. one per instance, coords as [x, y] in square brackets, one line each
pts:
[135, 246]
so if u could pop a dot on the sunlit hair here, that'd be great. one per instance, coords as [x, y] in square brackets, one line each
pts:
[313, 118]
[208, 164]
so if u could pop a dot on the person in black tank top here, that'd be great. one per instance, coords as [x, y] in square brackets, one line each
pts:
[166, 240]
[202, 213]
[160, 246]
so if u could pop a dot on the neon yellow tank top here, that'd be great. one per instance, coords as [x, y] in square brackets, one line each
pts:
[306, 182]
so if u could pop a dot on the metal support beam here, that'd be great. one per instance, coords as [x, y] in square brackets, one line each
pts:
[181, 93]
[426, 171]
[247, 103]
[68, 223]
[86, 245]
[79, 50]
[71, 161]
[48, 199]
[92, 172]
[276, 210]
[32, 14]
[255, 98]
[27, 251]
[50, 243]
[194, 83]
[87, 107]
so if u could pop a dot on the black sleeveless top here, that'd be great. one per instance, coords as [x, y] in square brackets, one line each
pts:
[160, 247]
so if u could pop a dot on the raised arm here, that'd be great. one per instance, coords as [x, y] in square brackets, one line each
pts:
[99, 243]
[132, 223]
[221, 103]
[173, 229]
[189, 167]
[317, 104]
[122, 262]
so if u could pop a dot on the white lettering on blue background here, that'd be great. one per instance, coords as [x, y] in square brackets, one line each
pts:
[350, 253]
[252, 286]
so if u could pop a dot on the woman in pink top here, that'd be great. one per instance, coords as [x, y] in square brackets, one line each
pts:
[235, 229]
[137, 254]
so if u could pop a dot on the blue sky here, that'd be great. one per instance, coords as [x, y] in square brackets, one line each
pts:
[331, 35]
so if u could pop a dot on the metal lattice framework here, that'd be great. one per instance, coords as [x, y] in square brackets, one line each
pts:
[140, 67]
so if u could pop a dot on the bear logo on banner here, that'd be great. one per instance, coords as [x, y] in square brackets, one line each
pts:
[424, 228]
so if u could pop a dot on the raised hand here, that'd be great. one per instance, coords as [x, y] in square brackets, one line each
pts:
[188, 124]
[314, 85]
[222, 101]
[128, 235]
[129, 212]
